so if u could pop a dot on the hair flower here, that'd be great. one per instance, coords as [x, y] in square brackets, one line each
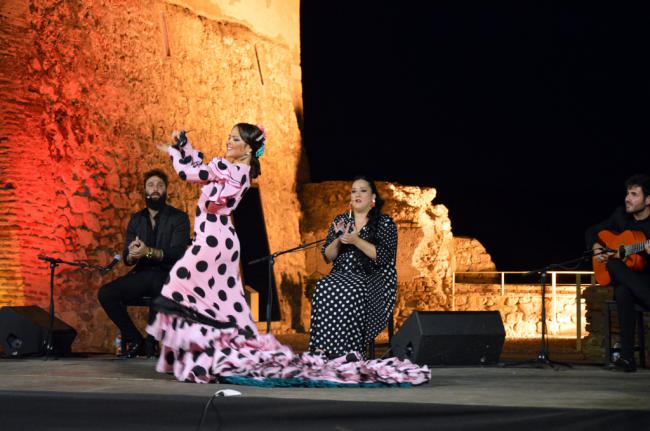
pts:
[260, 151]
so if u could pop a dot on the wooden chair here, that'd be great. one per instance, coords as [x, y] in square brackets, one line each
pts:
[373, 345]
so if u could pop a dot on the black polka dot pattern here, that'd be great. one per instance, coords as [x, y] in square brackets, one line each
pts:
[198, 371]
[182, 272]
[351, 305]
[212, 241]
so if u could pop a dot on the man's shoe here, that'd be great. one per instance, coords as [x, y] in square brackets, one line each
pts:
[151, 347]
[134, 348]
[624, 365]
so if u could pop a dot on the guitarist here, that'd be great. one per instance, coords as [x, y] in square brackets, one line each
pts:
[630, 287]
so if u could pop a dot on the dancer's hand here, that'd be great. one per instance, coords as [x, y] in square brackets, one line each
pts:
[163, 147]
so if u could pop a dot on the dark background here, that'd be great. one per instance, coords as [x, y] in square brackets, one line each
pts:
[526, 118]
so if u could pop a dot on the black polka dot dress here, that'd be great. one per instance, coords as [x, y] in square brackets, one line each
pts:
[352, 304]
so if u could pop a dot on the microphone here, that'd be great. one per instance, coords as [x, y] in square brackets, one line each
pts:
[339, 232]
[116, 259]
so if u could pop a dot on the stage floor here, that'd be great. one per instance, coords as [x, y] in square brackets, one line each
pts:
[579, 387]
[618, 397]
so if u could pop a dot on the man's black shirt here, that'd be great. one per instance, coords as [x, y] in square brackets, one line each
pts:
[171, 235]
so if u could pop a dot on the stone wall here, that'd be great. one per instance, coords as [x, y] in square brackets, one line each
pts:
[470, 255]
[89, 87]
[520, 308]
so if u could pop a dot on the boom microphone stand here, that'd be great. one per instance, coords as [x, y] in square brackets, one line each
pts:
[271, 260]
[54, 262]
[542, 358]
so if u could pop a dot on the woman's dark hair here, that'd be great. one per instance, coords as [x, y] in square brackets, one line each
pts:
[373, 220]
[375, 211]
[156, 173]
[255, 138]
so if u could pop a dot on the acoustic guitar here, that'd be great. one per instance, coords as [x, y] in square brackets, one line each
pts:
[626, 246]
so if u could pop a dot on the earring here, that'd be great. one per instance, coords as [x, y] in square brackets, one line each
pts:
[373, 203]
[350, 210]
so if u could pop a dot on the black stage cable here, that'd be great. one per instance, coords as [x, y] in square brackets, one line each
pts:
[220, 393]
[205, 412]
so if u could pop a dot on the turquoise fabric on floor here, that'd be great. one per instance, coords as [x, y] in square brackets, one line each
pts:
[286, 383]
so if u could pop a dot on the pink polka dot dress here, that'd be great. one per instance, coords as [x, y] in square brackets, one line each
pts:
[222, 342]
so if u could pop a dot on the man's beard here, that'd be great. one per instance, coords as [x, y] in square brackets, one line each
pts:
[155, 203]
[635, 209]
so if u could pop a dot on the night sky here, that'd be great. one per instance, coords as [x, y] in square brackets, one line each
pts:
[527, 119]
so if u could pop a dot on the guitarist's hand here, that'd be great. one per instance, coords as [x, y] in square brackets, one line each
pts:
[600, 254]
[647, 247]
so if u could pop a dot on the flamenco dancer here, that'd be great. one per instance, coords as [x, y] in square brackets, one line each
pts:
[204, 325]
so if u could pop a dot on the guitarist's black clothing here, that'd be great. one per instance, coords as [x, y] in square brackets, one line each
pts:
[630, 287]
[618, 222]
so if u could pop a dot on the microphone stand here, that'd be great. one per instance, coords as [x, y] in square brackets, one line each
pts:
[271, 260]
[542, 358]
[54, 262]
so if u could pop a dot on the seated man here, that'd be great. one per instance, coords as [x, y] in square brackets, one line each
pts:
[630, 287]
[156, 238]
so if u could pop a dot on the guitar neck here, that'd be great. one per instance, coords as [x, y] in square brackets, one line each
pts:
[636, 248]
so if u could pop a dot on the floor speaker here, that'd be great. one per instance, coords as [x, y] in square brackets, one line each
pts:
[23, 332]
[450, 338]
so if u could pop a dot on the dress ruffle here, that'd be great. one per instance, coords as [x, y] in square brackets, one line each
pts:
[195, 352]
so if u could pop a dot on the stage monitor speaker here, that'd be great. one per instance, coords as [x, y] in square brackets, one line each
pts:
[23, 332]
[450, 338]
